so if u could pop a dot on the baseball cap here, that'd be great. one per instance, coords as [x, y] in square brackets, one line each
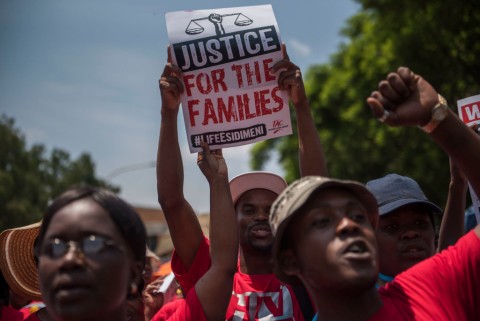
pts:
[253, 180]
[470, 219]
[288, 203]
[17, 260]
[393, 191]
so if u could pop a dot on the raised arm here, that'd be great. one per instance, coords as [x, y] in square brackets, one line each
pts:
[182, 221]
[452, 227]
[406, 99]
[215, 287]
[311, 157]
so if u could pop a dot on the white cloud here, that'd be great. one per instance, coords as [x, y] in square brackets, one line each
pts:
[299, 47]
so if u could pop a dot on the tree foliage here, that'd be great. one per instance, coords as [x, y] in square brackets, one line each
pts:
[30, 178]
[436, 39]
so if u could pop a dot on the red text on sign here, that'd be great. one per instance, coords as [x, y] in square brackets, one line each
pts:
[236, 107]
[206, 82]
[253, 74]
[471, 112]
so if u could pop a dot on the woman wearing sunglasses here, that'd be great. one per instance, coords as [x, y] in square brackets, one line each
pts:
[91, 253]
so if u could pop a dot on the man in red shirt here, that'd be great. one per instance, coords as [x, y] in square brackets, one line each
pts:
[208, 298]
[325, 229]
[257, 293]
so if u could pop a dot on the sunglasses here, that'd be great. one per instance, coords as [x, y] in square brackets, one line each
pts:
[89, 246]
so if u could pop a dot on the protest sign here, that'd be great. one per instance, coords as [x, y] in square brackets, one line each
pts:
[469, 113]
[469, 110]
[230, 97]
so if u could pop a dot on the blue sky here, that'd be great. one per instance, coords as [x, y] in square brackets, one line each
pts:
[83, 76]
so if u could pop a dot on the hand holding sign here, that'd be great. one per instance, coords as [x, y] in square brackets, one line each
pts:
[211, 162]
[171, 85]
[290, 79]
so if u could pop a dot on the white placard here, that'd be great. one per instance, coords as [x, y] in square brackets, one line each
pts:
[469, 113]
[230, 97]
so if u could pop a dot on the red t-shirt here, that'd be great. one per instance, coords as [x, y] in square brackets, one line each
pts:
[8, 313]
[254, 297]
[445, 287]
[32, 317]
[189, 309]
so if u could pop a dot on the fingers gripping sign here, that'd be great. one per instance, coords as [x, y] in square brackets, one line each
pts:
[211, 162]
[290, 78]
[171, 84]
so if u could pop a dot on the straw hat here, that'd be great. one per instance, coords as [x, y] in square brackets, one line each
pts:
[17, 261]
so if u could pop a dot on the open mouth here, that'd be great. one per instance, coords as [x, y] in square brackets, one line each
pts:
[357, 247]
[357, 250]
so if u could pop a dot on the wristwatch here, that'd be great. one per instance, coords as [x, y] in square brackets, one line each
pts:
[439, 113]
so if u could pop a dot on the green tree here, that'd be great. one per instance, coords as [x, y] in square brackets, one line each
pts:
[436, 39]
[29, 178]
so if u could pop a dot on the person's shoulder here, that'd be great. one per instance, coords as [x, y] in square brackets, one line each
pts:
[8, 313]
[168, 310]
[468, 247]
[172, 305]
[189, 308]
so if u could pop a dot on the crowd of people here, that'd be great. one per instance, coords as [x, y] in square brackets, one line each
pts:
[320, 248]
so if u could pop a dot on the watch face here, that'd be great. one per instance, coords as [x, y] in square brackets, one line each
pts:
[439, 112]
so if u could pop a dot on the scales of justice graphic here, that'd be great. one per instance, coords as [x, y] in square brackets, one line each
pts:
[194, 27]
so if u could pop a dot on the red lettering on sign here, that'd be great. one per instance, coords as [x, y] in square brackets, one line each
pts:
[206, 82]
[191, 111]
[209, 112]
[277, 99]
[235, 107]
[253, 73]
[242, 102]
[266, 69]
[471, 112]
[218, 78]
[188, 84]
[229, 113]
[204, 87]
